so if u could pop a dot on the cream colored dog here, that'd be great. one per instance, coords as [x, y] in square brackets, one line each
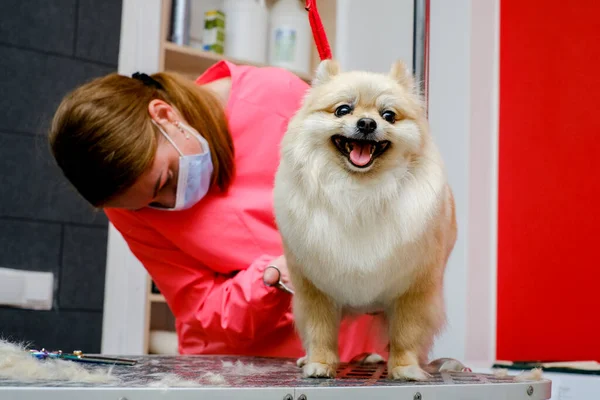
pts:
[366, 215]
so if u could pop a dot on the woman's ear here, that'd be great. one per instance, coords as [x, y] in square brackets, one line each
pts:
[161, 112]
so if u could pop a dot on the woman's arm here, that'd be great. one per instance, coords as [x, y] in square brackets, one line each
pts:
[236, 308]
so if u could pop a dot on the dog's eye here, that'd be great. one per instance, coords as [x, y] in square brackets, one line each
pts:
[389, 116]
[342, 110]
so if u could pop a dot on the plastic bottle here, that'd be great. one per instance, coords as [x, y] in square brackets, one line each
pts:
[290, 36]
[246, 30]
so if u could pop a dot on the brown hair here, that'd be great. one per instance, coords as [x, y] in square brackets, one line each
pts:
[102, 137]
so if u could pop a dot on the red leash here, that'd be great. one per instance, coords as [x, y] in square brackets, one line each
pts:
[318, 30]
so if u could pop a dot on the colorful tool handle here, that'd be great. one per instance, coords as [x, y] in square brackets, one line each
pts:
[79, 357]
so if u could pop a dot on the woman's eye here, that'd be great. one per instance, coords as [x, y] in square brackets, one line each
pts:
[389, 116]
[343, 110]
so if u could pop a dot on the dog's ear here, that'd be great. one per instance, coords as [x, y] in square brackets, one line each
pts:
[403, 75]
[326, 70]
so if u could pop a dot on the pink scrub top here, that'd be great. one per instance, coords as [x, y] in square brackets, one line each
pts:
[208, 261]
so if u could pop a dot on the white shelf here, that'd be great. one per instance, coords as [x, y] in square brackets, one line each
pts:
[156, 298]
[192, 62]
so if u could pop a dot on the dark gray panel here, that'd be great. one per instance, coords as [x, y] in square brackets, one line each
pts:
[33, 187]
[30, 245]
[98, 30]
[32, 85]
[64, 330]
[43, 25]
[83, 267]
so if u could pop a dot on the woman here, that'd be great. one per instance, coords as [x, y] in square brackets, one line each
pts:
[184, 170]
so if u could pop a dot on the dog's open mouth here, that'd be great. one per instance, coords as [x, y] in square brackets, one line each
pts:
[360, 153]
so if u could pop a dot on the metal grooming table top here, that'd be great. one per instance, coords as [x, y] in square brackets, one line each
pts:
[265, 379]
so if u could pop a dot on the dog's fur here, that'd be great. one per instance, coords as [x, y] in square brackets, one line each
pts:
[363, 240]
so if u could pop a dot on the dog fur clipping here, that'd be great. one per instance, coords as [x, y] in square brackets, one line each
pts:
[534, 374]
[366, 215]
[16, 363]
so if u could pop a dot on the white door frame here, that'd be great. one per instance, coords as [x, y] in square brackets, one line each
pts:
[125, 321]
[463, 113]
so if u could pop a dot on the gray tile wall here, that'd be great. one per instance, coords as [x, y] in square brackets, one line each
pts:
[46, 49]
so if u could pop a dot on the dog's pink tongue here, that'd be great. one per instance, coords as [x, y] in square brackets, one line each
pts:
[360, 154]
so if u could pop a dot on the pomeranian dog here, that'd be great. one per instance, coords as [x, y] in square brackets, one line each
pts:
[366, 216]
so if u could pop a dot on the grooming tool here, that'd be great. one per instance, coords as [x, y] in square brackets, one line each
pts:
[573, 367]
[279, 284]
[78, 356]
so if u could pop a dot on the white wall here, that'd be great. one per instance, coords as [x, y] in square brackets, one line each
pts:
[483, 171]
[463, 113]
[372, 34]
[449, 105]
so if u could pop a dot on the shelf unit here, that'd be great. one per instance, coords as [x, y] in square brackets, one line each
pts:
[188, 60]
[156, 298]
[190, 63]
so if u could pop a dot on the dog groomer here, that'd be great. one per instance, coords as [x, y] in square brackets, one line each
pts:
[185, 172]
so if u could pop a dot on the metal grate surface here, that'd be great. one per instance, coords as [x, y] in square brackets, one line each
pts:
[258, 372]
[366, 375]
[266, 378]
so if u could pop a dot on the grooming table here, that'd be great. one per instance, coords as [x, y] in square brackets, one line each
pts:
[271, 379]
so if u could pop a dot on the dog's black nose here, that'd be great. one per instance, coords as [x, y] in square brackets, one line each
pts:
[366, 125]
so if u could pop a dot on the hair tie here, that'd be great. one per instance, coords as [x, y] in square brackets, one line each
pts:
[147, 80]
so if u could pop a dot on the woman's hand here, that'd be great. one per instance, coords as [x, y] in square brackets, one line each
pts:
[271, 276]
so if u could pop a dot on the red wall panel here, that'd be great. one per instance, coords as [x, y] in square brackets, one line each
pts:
[549, 180]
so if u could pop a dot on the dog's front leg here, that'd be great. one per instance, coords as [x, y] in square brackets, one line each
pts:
[317, 320]
[414, 319]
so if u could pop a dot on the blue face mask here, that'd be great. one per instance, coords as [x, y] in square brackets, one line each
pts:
[195, 172]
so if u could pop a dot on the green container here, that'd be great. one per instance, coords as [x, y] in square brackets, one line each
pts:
[214, 31]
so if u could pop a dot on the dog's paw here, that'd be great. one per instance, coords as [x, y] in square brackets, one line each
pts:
[373, 358]
[446, 365]
[367, 359]
[318, 370]
[409, 373]
[302, 361]
[454, 366]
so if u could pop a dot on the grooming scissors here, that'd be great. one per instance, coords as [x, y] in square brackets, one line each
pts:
[279, 284]
[79, 357]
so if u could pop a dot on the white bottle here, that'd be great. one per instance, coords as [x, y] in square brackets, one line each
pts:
[246, 30]
[290, 36]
